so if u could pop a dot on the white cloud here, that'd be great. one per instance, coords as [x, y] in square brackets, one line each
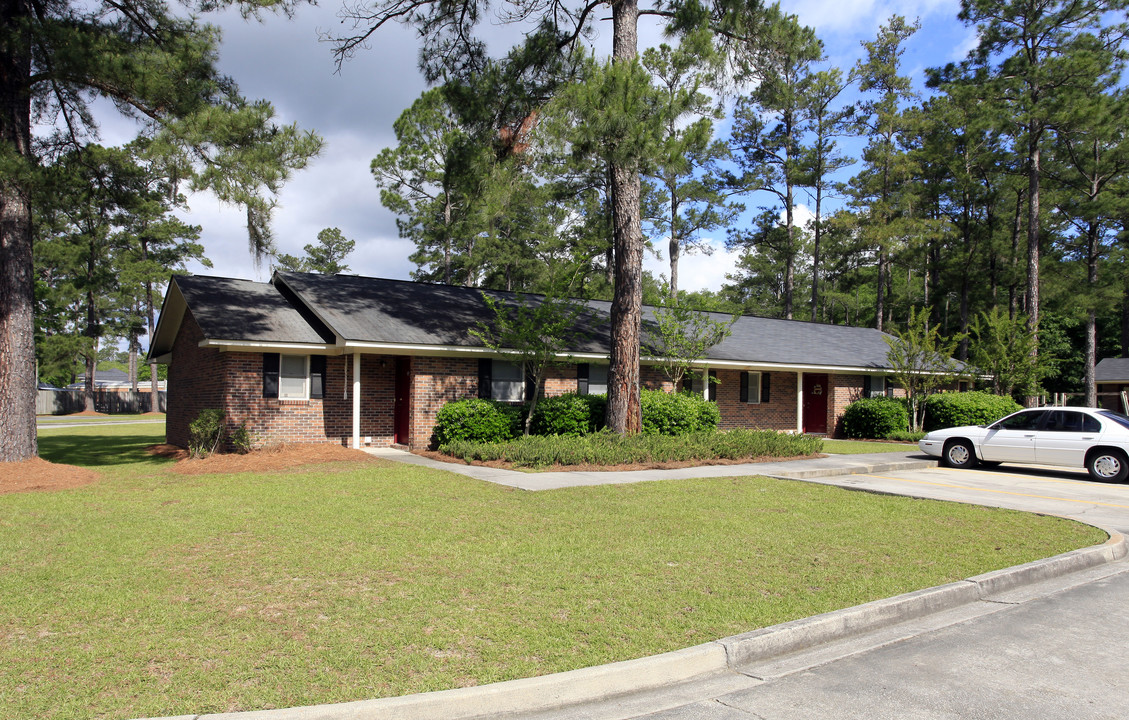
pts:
[696, 269]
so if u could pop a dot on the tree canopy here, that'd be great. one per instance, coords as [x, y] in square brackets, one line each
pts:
[158, 68]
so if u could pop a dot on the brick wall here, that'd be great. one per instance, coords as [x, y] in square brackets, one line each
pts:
[844, 390]
[202, 378]
[195, 381]
[436, 382]
[779, 413]
[326, 419]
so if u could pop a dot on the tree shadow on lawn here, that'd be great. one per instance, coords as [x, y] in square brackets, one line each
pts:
[99, 450]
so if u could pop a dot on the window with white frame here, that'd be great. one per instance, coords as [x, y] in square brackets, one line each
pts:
[751, 388]
[697, 384]
[597, 379]
[507, 381]
[293, 377]
[878, 386]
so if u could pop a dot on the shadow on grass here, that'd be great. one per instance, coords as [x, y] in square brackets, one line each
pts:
[97, 450]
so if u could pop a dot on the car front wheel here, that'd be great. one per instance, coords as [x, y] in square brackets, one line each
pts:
[1108, 465]
[959, 454]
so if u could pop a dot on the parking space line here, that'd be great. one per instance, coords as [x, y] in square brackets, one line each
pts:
[997, 492]
[990, 473]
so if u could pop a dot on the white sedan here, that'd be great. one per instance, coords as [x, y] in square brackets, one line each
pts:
[1097, 440]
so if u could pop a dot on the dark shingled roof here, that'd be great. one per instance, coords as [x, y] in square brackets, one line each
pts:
[1112, 370]
[375, 310]
[229, 309]
[307, 308]
[393, 311]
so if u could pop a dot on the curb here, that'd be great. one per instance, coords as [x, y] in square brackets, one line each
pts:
[855, 470]
[591, 684]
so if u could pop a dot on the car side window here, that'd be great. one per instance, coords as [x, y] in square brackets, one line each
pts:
[1022, 421]
[1063, 421]
[1090, 424]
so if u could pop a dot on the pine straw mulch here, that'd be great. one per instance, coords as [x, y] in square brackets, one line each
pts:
[286, 456]
[668, 465]
[38, 474]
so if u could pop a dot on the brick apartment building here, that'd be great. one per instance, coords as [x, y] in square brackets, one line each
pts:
[367, 361]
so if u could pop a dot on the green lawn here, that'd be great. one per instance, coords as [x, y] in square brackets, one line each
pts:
[67, 419]
[151, 593]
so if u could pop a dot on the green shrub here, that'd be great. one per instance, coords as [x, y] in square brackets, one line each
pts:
[677, 413]
[205, 433]
[907, 436]
[476, 419]
[241, 439]
[946, 410]
[606, 448]
[568, 414]
[875, 418]
[597, 410]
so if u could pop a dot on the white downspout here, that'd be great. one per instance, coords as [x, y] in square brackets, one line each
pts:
[356, 401]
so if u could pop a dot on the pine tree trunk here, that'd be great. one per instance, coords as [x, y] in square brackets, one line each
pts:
[17, 318]
[675, 246]
[1090, 380]
[880, 301]
[1033, 242]
[623, 414]
[815, 250]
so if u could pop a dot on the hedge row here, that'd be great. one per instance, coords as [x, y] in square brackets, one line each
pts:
[968, 408]
[570, 415]
[605, 448]
[883, 417]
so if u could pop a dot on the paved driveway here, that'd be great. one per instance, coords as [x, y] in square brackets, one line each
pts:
[1052, 491]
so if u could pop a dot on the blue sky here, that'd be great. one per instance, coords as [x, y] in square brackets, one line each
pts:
[353, 109]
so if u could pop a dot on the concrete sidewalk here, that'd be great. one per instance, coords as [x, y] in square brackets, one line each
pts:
[828, 466]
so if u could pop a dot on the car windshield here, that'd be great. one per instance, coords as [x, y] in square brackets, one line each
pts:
[1122, 420]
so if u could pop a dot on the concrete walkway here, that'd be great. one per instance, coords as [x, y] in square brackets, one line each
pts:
[832, 465]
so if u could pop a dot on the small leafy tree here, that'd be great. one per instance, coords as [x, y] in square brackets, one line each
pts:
[535, 331]
[681, 336]
[1003, 347]
[922, 361]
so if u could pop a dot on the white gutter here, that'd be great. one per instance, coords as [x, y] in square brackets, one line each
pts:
[352, 346]
[256, 346]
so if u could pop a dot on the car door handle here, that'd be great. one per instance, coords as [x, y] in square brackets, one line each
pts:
[1088, 437]
[1031, 435]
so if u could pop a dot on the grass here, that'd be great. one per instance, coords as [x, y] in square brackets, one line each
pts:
[151, 593]
[93, 419]
[858, 447]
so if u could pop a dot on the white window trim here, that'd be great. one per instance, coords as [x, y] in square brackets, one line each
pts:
[494, 380]
[305, 377]
[884, 391]
[594, 388]
[754, 386]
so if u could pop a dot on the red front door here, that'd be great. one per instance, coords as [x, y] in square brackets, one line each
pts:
[815, 403]
[401, 410]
